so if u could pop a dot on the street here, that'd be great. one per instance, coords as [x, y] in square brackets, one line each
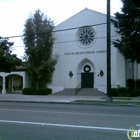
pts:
[42, 121]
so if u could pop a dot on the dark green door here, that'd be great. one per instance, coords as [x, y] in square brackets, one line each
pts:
[87, 80]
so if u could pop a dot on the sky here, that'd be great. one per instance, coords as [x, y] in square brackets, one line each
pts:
[13, 14]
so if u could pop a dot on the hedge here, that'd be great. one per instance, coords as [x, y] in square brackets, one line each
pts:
[138, 84]
[43, 91]
[131, 83]
[33, 91]
[29, 91]
[125, 92]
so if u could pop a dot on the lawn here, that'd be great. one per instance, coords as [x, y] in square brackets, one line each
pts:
[114, 102]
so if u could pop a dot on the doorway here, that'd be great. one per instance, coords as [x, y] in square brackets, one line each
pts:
[87, 80]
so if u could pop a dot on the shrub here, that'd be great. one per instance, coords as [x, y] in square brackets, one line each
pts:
[43, 91]
[131, 83]
[125, 92]
[138, 84]
[29, 91]
[114, 92]
[136, 92]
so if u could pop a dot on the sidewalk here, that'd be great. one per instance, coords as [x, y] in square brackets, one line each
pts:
[43, 98]
[54, 99]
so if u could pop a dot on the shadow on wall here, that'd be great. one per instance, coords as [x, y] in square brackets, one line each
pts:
[0, 84]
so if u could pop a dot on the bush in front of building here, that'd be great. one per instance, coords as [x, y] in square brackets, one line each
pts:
[120, 92]
[29, 91]
[138, 83]
[43, 91]
[136, 92]
[131, 83]
[125, 92]
[114, 92]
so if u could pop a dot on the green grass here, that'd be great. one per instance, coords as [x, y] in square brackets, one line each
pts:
[105, 102]
[120, 98]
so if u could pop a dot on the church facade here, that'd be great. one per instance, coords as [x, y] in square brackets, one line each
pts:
[81, 48]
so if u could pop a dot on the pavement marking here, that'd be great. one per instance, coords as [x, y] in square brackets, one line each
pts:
[71, 113]
[138, 125]
[64, 125]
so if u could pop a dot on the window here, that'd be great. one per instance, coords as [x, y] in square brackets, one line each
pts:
[86, 36]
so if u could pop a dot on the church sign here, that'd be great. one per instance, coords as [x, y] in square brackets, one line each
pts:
[85, 52]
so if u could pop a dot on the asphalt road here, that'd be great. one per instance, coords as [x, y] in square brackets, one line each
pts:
[36, 121]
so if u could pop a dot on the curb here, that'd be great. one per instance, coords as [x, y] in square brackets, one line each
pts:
[72, 102]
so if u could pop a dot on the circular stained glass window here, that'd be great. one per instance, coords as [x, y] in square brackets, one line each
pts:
[86, 36]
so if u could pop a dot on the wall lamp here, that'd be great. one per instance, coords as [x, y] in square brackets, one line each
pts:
[70, 74]
[101, 73]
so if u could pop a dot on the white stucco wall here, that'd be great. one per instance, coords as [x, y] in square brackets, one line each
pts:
[12, 75]
[120, 69]
[27, 80]
[72, 56]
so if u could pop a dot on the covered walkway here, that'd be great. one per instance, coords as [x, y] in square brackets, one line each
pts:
[14, 81]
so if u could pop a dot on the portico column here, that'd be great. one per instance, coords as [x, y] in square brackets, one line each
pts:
[23, 82]
[3, 89]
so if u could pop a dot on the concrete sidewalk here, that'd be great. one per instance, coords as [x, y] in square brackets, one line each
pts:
[43, 98]
[54, 99]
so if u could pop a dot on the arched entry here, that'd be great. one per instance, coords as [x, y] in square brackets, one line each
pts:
[85, 74]
[13, 82]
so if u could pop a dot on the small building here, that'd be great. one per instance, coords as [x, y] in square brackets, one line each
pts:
[14, 81]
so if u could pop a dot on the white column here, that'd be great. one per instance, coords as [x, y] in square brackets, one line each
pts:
[138, 71]
[12, 84]
[3, 89]
[137, 75]
[23, 82]
[135, 71]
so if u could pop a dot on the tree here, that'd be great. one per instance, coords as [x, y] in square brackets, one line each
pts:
[38, 40]
[8, 61]
[127, 23]
[136, 2]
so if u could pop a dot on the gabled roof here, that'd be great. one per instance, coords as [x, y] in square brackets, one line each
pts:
[95, 16]
[86, 9]
[92, 14]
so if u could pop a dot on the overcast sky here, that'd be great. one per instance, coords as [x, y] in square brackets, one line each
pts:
[13, 14]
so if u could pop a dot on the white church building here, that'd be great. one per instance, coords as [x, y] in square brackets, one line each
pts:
[81, 48]
[82, 54]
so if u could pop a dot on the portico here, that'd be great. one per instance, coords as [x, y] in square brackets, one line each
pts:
[12, 81]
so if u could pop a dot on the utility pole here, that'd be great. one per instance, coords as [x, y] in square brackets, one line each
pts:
[109, 97]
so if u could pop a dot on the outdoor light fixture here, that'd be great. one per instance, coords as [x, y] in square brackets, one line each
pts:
[101, 73]
[70, 74]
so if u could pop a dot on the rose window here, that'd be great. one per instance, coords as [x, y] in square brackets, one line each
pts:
[86, 36]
